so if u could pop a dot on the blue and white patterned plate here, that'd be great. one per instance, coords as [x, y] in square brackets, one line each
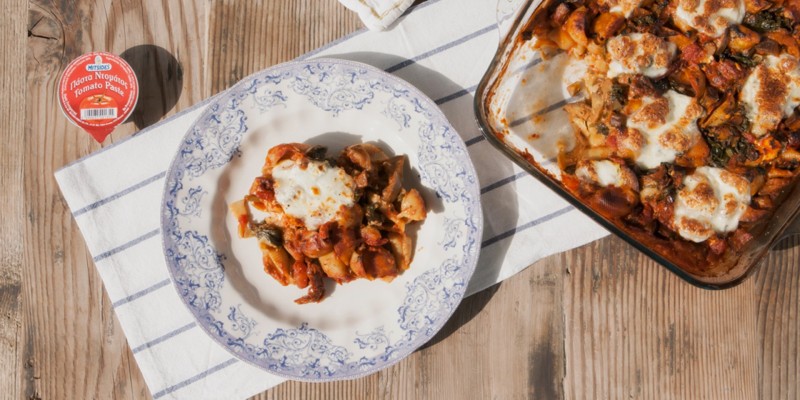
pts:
[361, 326]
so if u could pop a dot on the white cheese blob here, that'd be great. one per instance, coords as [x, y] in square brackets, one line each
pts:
[669, 127]
[771, 92]
[711, 201]
[602, 172]
[624, 7]
[639, 53]
[709, 17]
[313, 193]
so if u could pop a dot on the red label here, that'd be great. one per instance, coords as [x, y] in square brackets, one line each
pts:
[97, 92]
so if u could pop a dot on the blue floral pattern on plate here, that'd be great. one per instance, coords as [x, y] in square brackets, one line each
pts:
[301, 350]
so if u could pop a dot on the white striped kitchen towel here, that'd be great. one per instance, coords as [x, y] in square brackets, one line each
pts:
[115, 197]
[378, 14]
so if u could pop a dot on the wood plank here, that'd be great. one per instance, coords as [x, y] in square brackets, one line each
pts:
[602, 321]
[246, 37]
[635, 330]
[12, 118]
[73, 340]
[777, 298]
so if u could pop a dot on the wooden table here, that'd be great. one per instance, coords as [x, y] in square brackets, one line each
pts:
[601, 321]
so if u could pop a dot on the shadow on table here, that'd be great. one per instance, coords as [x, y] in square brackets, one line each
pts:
[493, 170]
[787, 242]
[466, 311]
[160, 77]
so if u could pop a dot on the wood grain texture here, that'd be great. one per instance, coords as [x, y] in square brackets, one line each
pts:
[634, 330]
[12, 116]
[601, 321]
[245, 37]
[73, 347]
[777, 294]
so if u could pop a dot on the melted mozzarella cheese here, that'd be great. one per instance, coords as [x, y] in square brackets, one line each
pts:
[624, 7]
[710, 17]
[602, 172]
[711, 200]
[669, 127]
[771, 92]
[314, 192]
[639, 53]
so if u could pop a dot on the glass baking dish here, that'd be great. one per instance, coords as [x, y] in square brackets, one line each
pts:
[521, 96]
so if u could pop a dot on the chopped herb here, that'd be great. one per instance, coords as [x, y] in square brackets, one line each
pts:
[746, 150]
[662, 85]
[767, 21]
[660, 5]
[602, 129]
[273, 236]
[735, 146]
[717, 146]
[743, 122]
[317, 153]
[742, 59]
[619, 93]
[374, 215]
[645, 21]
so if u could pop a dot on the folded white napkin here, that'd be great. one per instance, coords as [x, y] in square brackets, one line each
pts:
[115, 197]
[377, 15]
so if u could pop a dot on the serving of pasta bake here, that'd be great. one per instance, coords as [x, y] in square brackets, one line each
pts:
[341, 218]
[680, 123]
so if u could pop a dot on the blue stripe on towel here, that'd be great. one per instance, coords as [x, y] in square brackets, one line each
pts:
[121, 193]
[127, 245]
[164, 337]
[140, 293]
[494, 239]
[195, 378]
[413, 60]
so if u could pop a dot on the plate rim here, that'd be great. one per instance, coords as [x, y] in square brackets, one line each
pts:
[470, 258]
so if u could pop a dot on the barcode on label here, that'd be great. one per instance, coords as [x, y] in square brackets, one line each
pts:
[98, 113]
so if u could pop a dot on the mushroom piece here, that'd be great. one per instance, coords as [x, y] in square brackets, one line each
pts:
[394, 170]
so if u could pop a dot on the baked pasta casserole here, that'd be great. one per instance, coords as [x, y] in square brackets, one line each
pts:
[686, 133]
[342, 218]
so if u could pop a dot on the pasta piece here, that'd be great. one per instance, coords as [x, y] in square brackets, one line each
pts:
[606, 25]
[401, 247]
[280, 260]
[575, 26]
[374, 262]
[742, 39]
[357, 265]
[277, 264]
[242, 215]
[288, 151]
[304, 239]
[334, 268]
[412, 206]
